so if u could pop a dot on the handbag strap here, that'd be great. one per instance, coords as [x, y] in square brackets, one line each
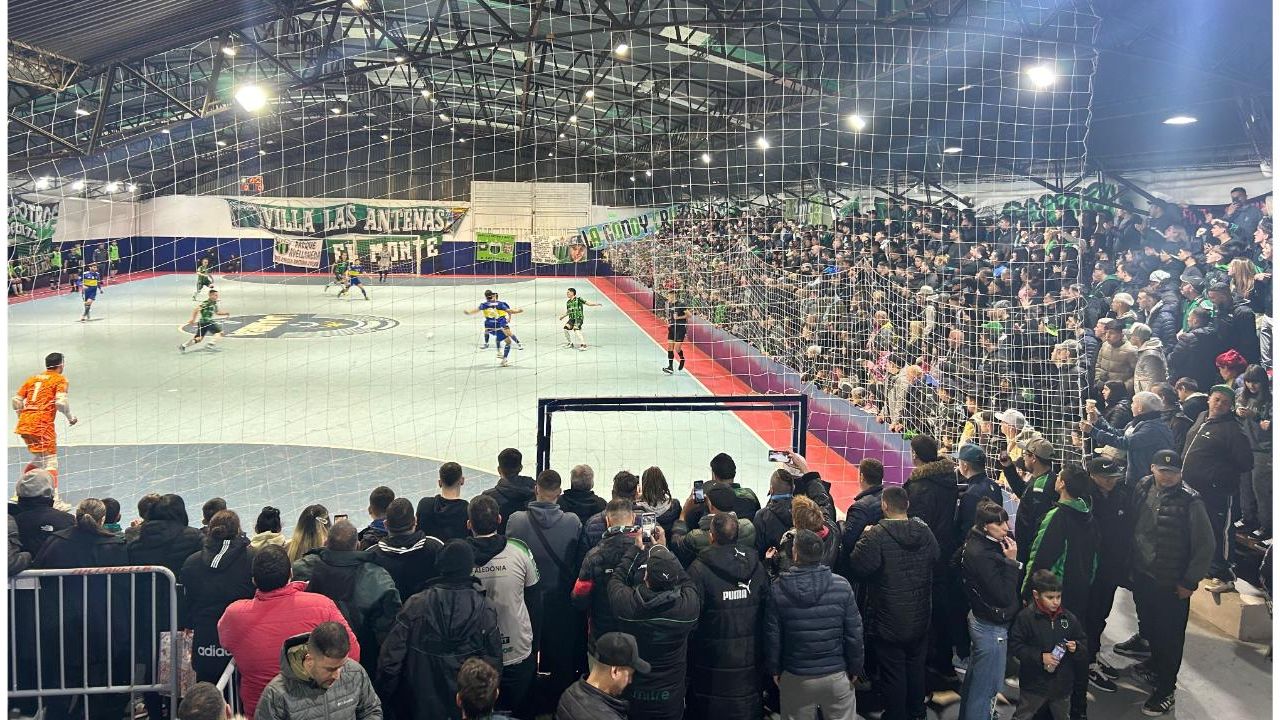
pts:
[561, 565]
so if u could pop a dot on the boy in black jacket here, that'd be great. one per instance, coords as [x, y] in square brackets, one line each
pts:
[1050, 645]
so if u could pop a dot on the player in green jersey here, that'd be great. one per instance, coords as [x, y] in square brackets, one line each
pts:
[573, 308]
[204, 317]
[339, 273]
[204, 277]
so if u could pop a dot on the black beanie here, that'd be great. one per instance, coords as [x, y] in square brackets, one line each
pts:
[456, 560]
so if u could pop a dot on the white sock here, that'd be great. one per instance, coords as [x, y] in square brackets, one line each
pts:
[568, 338]
[578, 334]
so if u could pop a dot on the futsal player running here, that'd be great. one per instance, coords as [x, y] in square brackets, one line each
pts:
[38, 402]
[205, 318]
[511, 330]
[497, 315]
[339, 272]
[573, 311]
[204, 277]
[353, 279]
[90, 280]
[677, 324]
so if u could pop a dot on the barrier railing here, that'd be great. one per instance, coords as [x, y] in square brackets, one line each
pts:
[229, 684]
[64, 630]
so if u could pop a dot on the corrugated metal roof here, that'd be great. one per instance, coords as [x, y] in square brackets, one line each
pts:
[95, 32]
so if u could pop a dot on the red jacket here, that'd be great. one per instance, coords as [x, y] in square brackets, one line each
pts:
[254, 630]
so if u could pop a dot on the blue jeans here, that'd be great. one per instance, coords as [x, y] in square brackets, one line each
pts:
[985, 676]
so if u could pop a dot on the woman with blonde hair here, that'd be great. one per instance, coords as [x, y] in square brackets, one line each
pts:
[310, 533]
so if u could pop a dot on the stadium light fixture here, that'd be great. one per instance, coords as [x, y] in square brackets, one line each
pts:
[130, 187]
[573, 118]
[951, 150]
[562, 135]
[222, 143]
[706, 159]
[335, 110]
[77, 185]
[648, 173]
[762, 143]
[1181, 120]
[1041, 76]
[111, 187]
[963, 88]
[251, 97]
[262, 152]
[857, 122]
[621, 48]
[359, 4]
[590, 93]
[426, 94]
[82, 112]
[42, 183]
[399, 59]
[385, 136]
[229, 50]
[166, 131]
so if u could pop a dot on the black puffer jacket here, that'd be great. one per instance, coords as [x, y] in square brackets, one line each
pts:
[1114, 519]
[661, 622]
[591, 590]
[410, 558]
[1217, 454]
[444, 518]
[896, 558]
[164, 539]
[990, 579]
[724, 671]
[212, 579]
[812, 486]
[812, 626]
[583, 702]
[513, 495]
[435, 632]
[583, 503]
[1034, 633]
[933, 494]
[37, 520]
[772, 522]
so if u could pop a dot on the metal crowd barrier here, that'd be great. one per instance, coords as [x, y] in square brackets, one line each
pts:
[229, 684]
[39, 589]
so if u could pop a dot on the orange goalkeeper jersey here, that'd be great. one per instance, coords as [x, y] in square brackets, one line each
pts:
[39, 396]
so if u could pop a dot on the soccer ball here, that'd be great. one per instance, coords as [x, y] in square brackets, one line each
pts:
[430, 335]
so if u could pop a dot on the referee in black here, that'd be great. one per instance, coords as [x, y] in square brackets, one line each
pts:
[677, 326]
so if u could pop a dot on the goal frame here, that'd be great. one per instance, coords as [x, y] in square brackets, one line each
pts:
[796, 406]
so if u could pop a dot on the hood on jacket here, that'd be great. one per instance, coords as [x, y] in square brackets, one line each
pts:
[342, 558]
[171, 508]
[291, 655]
[405, 543]
[487, 547]
[544, 513]
[911, 534]
[1152, 344]
[518, 489]
[1080, 505]
[226, 555]
[579, 502]
[805, 584]
[729, 562]
[941, 472]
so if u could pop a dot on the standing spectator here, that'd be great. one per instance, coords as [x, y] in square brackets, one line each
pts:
[266, 529]
[477, 682]
[450, 615]
[1172, 550]
[317, 679]
[1116, 358]
[599, 695]
[1111, 500]
[255, 630]
[508, 572]
[1231, 366]
[813, 636]
[1235, 322]
[444, 515]
[552, 535]
[933, 493]
[406, 553]
[203, 701]
[806, 515]
[1145, 434]
[1067, 541]
[1159, 314]
[661, 611]
[18, 559]
[971, 463]
[724, 672]
[1193, 401]
[363, 591]
[1050, 645]
[655, 497]
[513, 491]
[113, 516]
[1149, 370]
[1242, 213]
[720, 497]
[865, 510]
[34, 513]
[1218, 453]
[990, 572]
[211, 507]
[1253, 407]
[1197, 350]
[212, 578]
[591, 590]
[774, 519]
[310, 532]
[379, 500]
[626, 486]
[896, 557]
[724, 471]
[580, 499]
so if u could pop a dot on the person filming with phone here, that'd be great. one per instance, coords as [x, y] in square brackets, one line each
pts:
[687, 544]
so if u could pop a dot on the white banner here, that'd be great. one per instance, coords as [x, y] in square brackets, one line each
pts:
[298, 251]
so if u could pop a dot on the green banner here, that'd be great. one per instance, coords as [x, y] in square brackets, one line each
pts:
[495, 247]
[31, 227]
[296, 218]
[599, 237]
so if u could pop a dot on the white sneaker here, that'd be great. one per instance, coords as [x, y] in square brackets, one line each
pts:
[1217, 587]
[582, 347]
[506, 362]
[519, 346]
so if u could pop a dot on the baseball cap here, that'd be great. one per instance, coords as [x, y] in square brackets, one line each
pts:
[1105, 467]
[1125, 298]
[1013, 417]
[1158, 276]
[972, 454]
[35, 483]
[1225, 390]
[1041, 448]
[619, 649]
[662, 568]
[1167, 460]
[721, 496]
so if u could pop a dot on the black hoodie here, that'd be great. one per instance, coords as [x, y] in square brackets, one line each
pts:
[724, 667]
[165, 539]
[513, 495]
[212, 579]
[443, 518]
[410, 558]
[583, 503]
[895, 558]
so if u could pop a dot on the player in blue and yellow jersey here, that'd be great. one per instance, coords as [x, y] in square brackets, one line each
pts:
[91, 280]
[497, 316]
[354, 270]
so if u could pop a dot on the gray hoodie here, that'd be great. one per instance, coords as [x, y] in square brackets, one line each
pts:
[561, 531]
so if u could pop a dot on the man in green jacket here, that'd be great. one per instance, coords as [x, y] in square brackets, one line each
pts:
[318, 682]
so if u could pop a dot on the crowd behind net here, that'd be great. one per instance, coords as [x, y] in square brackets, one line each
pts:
[778, 137]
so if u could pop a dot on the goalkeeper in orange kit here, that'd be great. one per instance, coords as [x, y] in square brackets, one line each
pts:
[37, 403]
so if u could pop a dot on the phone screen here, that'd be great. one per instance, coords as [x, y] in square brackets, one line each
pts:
[779, 456]
[698, 494]
[337, 518]
[648, 521]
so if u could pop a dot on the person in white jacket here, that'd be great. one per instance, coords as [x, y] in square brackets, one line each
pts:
[1150, 369]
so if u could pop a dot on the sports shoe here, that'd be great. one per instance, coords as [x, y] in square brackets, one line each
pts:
[484, 347]
[519, 346]
[582, 347]
[569, 345]
[1144, 675]
[182, 348]
[506, 362]
[1106, 669]
[1136, 647]
[1156, 706]
[1100, 681]
[667, 370]
[1218, 586]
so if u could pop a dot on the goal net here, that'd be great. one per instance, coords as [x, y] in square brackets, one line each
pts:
[798, 172]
